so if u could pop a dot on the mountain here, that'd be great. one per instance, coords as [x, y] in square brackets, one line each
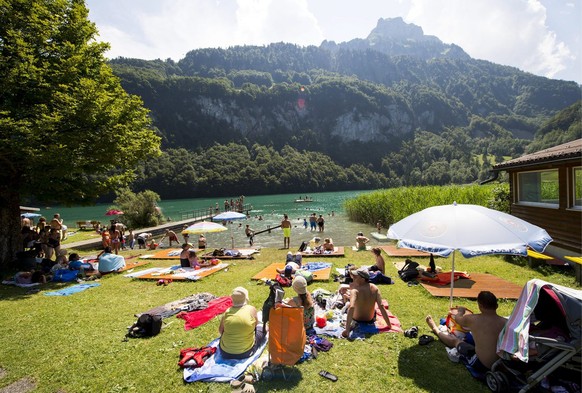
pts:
[361, 102]
[394, 37]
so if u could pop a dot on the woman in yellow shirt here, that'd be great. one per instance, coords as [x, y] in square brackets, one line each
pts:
[240, 333]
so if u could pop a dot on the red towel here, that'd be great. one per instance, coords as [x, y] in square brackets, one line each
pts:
[196, 318]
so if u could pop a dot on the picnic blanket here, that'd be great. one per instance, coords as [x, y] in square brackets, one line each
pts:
[218, 369]
[337, 252]
[470, 288]
[197, 301]
[394, 251]
[178, 273]
[270, 272]
[199, 317]
[72, 290]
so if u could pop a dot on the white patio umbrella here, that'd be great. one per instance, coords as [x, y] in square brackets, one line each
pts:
[204, 227]
[229, 216]
[471, 229]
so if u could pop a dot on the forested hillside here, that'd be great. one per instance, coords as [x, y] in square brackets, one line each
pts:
[396, 108]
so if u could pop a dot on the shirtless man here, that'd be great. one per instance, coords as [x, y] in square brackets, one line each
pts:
[484, 327]
[286, 226]
[361, 241]
[380, 265]
[363, 299]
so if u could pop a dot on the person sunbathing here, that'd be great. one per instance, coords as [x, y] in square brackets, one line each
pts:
[109, 262]
[328, 244]
[363, 299]
[484, 328]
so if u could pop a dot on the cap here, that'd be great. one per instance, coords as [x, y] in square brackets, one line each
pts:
[363, 272]
[240, 297]
[288, 271]
[300, 285]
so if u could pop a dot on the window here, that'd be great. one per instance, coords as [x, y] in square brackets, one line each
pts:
[539, 188]
[577, 172]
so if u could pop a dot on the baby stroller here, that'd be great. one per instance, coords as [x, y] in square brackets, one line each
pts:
[541, 339]
[286, 341]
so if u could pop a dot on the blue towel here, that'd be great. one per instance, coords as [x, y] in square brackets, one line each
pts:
[217, 369]
[315, 266]
[71, 290]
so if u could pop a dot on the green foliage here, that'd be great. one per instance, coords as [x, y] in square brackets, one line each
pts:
[392, 205]
[564, 127]
[74, 132]
[139, 210]
[500, 198]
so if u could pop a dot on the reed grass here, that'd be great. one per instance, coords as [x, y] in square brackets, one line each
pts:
[391, 205]
[75, 343]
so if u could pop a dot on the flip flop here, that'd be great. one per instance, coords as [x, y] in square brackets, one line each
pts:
[425, 339]
[328, 375]
[412, 332]
[241, 380]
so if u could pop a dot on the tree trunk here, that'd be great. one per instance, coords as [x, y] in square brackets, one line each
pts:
[10, 241]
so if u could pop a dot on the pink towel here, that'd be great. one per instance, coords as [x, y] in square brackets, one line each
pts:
[196, 318]
[395, 326]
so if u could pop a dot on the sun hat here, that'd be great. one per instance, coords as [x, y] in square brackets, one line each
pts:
[240, 297]
[300, 285]
[363, 272]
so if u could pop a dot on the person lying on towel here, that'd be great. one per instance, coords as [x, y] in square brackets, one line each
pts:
[240, 333]
[363, 299]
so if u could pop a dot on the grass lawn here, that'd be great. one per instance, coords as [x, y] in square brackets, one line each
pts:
[75, 343]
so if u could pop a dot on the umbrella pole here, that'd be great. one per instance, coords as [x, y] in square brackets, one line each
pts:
[452, 281]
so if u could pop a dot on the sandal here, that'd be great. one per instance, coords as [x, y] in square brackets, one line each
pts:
[425, 339]
[245, 388]
[328, 375]
[241, 380]
[412, 332]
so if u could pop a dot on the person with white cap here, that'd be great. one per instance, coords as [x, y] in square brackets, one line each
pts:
[364, 296]
[240, 333]
[304, 300]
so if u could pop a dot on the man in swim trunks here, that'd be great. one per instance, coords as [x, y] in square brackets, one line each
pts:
[363, 299]
[361, 241]
[484, 327]
[286, 226]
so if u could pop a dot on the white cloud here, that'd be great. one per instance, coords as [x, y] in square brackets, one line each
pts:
[505, 32]
[520, 33]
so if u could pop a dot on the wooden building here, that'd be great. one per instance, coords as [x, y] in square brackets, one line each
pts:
[546, 190]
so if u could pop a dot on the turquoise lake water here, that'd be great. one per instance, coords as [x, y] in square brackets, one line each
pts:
[270, 207]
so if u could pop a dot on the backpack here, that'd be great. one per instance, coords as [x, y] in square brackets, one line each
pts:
[303, 246]
[283, 281]
[306, 274]
[65, 275]
[271, 300]
[147, 325]
[408, 271]
[347, 278]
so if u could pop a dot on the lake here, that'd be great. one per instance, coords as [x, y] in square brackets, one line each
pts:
[270, 207]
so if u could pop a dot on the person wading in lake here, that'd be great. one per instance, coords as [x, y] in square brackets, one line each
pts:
[286, 226]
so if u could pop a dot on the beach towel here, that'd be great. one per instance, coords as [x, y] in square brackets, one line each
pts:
[142, 272]
[196, 318]
[315, 266]
[218, 369]
[8, 282]
[71, 290]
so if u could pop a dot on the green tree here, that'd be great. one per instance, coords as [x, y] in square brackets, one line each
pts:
[139, 210]
[68, 131]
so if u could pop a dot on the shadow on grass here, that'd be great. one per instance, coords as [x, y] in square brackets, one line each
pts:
[430, 369]
[540, 266]
[13, 292]
[279, 378]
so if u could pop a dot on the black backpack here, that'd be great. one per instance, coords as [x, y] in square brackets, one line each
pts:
[274, 288]
[303, 246]
[408, 271]
[147, 325]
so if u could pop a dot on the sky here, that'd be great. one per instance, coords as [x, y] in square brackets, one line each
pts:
[538, 36]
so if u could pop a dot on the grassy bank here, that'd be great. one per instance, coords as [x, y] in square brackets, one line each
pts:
[75, 343]
[391, 205]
